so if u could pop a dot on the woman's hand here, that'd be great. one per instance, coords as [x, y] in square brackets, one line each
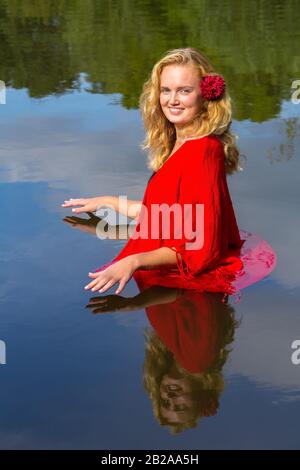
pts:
[86, 225]
[111, 303]
[155, 295]
[87, 205]
[121, 271]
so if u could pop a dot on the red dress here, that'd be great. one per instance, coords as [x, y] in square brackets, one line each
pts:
[194, 174]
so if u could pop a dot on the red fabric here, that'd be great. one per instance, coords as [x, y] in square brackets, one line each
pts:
[256, 255]
[195, 173]
[191, 328]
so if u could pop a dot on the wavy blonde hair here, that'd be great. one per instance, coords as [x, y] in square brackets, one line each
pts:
[214, 118]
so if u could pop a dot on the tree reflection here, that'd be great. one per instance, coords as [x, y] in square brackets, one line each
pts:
[46, 45]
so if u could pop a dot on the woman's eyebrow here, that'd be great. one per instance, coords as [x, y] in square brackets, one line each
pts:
[178, 88]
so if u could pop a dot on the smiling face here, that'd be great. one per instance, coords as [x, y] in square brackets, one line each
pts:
[180, 97]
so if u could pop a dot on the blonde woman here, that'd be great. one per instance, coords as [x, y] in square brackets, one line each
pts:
[186, 111]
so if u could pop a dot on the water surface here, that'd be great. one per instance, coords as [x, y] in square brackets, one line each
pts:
[71, 128]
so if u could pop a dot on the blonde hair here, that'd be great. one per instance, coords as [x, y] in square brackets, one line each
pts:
[214, 118]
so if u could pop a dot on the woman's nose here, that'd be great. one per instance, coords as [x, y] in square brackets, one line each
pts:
[174, 99]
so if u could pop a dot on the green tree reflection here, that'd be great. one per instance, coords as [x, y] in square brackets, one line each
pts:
[46, 45]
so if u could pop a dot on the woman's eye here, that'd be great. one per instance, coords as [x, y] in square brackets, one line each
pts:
[181, 91]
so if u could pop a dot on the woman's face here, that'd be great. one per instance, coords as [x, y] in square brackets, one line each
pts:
[177, 400]
[180, 97]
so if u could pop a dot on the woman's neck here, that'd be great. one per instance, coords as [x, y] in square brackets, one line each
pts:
[183, 134]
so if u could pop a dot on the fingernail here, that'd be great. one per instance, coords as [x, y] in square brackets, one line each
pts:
[73, 210]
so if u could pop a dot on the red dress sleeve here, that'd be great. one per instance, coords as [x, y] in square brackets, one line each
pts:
[200, 236]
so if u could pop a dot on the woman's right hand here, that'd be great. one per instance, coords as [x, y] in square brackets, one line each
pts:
[87, 205]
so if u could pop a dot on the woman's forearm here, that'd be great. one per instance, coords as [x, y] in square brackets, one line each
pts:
[114, 232]
[128, 207]
[150, 259]
[155, 295]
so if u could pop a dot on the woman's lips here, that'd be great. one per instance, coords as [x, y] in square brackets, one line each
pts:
[176, 111]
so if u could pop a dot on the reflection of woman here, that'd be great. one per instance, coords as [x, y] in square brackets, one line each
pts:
[187, 116]
[184, 357]
[185, 350]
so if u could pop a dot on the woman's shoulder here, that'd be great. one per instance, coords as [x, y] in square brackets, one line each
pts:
[204, 147]
[209, 141]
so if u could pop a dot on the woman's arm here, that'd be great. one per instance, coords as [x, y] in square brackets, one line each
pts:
[155, 295]
[128, 207]
[159, 257]
[99, 227]
[121, 271]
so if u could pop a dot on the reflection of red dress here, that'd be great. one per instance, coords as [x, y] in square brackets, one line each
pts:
[194, 174]
[191, 328]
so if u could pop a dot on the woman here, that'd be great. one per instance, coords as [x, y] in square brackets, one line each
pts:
[187, 115]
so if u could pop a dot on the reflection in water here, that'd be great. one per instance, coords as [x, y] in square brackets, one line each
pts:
[185, 350]
[95, 225]
[85, 57]
[286, 150]
[46, 45]
[185, 354]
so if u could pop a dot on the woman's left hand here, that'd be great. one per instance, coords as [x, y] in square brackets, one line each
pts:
[121, 272]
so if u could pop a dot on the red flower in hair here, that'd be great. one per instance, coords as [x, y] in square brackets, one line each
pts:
[212, 87]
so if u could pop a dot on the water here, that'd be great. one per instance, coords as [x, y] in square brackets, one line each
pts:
[71, 128]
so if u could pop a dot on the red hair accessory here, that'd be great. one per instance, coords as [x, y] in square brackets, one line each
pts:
[212, 87]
